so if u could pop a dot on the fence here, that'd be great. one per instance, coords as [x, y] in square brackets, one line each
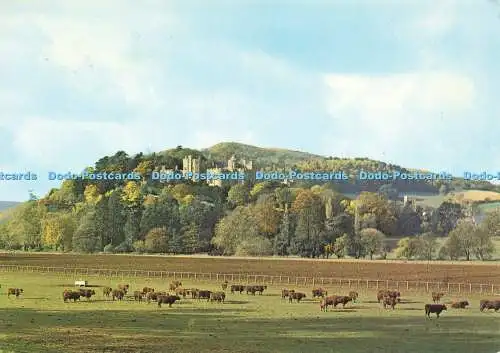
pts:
[361, 284]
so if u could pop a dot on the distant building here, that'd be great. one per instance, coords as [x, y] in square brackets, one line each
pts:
[191, 165]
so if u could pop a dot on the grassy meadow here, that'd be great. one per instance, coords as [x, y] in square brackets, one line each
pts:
[39, 321]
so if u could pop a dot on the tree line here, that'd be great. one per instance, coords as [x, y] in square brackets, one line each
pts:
[266, 218]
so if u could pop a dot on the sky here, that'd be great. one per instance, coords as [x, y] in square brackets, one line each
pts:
[413, 83]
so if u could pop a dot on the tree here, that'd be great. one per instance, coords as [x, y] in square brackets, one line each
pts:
[239, 225]
[268, 217]
[116, 213]
[156, 240]
[340, 246]
[190, 238]
[91, 194]
[25, 225]
[132, 228]
[58, 230]
[491, 223]
[176, 244]
[463, 236]
[87, 236]
[428, 246]
[132, 194]
[483, 247]
[408, 248]
[372, 240]
[261, 189]
[163, 213]
[282, 241]
[448, 214]
[258, 246]
[238, 195]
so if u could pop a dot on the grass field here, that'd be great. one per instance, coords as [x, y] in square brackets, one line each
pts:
[40, 321]
[461, 272]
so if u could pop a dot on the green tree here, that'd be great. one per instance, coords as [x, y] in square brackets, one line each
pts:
[157, 240]
[408, 248]
[268, 216]
[258, 246]
[238, 195]
[428, 246]
[372, 240]
[115, 233]
[340, 246]
[282, 241]
[239, 225]
[87, 236]
[464, 237]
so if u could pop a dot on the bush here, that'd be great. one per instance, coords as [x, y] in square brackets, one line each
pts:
[109, 248]
[255, 247]
[139, 246]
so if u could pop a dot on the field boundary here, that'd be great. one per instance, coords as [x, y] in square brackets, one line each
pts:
[357, 283]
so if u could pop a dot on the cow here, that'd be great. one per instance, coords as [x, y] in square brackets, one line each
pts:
[69, 294]
[218, 296]
[319, 292]
[489, 304]
[462, 304]
[224, 286]
[124, 288]
[87, 293]
[14, 291]
[167, 299]
[147, 290]
[389, 301]
[181, 292]
[138, 295]
[286, 292]
[325, 302]
[203, 294]
[434, 308]
[354, 295]
[106, 291]
[152, 296]
[237, 288]
[260, 289]
[388, 293]
[297, 296]
[194, 293]
[175, 284]
[334, 300]
[436, 296]
[118, 294]
[251, 289]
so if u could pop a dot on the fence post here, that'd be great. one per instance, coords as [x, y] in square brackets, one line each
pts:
[459, 289]
[367, 286]
[377, 283]
[492, 289]
[480, 288]
[407, 285]
[448, 287]
[349, 283]
[427, 286]
[386, 284]
[470, 287]
[313, 282]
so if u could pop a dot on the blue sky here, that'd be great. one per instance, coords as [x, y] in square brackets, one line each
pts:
[409, 82]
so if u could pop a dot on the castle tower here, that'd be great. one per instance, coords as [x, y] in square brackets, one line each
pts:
[231, 164]
[190, 164]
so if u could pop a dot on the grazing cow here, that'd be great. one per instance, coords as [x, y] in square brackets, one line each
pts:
[204, 294]
[14, 291]
[436, 296]
[326, 302]
[106, 291]
[388, 293]
[434, 308]
[389, 301]
[259, 288]
[489, 304]
[69, 294]
[218, 296]
[334, 300]
[124, 288]
[87, 293]
[224, 285]
[167, 299]
[147, 290]
[251, 289]
[297, 296]
[319, 292]
[152, 296]
[462, 304]
[342, 299]
[175, 284]
[118, 294]
[237, 288]
[354, 295]
[138, 295]
[286, 292]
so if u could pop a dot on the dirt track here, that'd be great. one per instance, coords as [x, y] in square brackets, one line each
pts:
[485, 273]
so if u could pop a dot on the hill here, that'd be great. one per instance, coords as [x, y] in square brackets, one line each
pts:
[8, 204]
[264, 156]
[476, 196]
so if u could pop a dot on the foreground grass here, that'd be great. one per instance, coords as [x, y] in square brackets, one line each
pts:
[41, 321]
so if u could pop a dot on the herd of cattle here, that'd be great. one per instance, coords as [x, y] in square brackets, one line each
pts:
[388, 298]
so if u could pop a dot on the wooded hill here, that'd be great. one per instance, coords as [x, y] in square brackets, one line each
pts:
[246, 219]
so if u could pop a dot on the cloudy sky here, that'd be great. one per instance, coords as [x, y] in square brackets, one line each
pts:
[410, 82]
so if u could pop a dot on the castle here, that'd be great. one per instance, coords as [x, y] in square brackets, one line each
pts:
[192, 164]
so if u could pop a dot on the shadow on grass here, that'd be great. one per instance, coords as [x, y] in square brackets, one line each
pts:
[201, 330]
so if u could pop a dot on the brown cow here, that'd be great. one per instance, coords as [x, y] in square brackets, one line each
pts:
[354, 295]
[462, 304]
[326, 302]
[237, 288]
[175, 284]
[218, 296]
[14, 291]
[87, 293]
[388, 293]
[224, 285]
[106, 291]
[124, 288]
[334, 300]
[70, 294]
[389, 301]
[434, 308]
[489, 304]
[436, 296]
[203, 294]
[118, 294]
[147, 290]
[319, 292]
[181, 291]
[297, 296]
[286, 292]
[167, 299]
[138, 295]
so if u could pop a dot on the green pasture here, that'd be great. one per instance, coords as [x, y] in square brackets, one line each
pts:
[39, 321]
